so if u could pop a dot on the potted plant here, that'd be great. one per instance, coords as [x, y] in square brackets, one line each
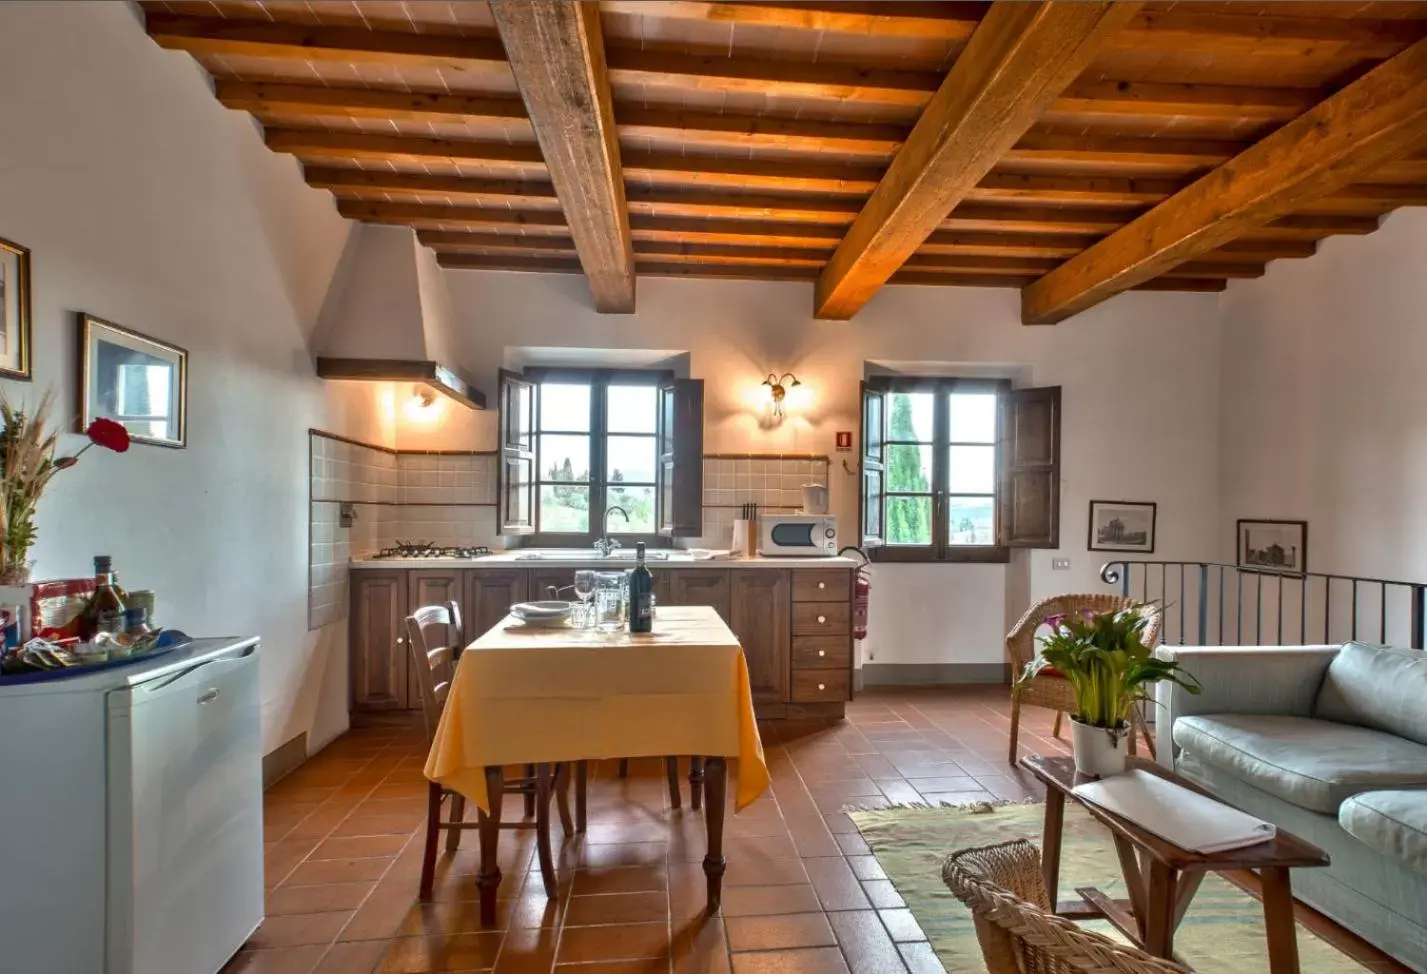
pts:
[1112, 671]
[27, 464]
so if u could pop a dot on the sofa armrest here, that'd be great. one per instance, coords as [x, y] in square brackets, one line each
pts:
[1240, 680]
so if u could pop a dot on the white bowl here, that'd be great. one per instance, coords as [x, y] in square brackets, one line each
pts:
[550, 613]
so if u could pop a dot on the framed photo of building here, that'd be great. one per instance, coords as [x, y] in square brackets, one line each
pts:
[137, 381]
[14, 311]
[1122, 526]
[1275, 546]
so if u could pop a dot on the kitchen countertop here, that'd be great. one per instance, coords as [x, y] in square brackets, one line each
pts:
[512, 559]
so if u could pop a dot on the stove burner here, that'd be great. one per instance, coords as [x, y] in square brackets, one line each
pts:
[429, 549]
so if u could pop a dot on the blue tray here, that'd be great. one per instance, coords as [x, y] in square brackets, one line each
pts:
[39, 676]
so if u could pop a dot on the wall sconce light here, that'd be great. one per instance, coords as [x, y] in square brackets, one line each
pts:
[422, 397]
[778, 389]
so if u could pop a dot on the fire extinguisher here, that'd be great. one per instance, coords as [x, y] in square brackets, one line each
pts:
[861, 594]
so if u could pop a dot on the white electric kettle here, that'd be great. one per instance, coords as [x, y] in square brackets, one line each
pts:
[814, 498]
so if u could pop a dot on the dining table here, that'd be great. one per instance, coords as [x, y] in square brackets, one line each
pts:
[529, 694]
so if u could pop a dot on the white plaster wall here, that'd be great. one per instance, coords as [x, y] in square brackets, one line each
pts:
[1140, 409]
[145, 202]
[1325, 408]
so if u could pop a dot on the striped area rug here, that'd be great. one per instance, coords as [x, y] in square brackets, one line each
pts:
[1223, 930]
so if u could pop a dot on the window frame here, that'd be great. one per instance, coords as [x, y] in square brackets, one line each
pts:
[941, 549]
[599, 380]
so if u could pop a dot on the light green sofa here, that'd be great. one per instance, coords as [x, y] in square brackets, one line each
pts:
[1330, 743]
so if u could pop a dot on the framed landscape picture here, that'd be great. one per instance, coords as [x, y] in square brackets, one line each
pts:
[135, 380]
[1275, 546]
[1122, 526]
[14, 310]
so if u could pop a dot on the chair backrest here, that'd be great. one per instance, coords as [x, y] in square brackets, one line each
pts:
[433, 633]
[1002, 886]
[1021, 640]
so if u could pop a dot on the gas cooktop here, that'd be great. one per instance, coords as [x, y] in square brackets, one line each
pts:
[417, 550]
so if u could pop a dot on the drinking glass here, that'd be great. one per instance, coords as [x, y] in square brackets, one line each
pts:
[584, 588]
[610, 595]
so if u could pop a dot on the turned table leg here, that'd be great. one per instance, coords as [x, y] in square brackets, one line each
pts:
[488, 878]
[715, 787]
[696, 781]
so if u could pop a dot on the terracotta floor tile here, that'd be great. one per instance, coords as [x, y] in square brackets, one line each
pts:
[361, 957]
[288, 960]
[700, 947]
[865, 943]
[779, 932]
[837, 887]
[818, 960]
[945, 784]
[811, 836]
[585, 911]
[883, 895]
[321, 872]
[381, 916]
[635, 941]
[620, 879]
[361, 847]
[459, 952]
[902, 925]
[527, 952]
[852, 844]
[740, 901]
[291, 900]
[296, 931]
[403, 823]
[624, 854]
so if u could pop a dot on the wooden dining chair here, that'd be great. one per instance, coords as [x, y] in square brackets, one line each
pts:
[434, 636]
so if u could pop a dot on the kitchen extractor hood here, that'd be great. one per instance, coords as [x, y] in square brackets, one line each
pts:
[388, 317]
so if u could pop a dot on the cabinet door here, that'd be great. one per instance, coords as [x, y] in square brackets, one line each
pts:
[489, 595]
[544, 579]
[377, 646]
[430, 587]
[700, 586]
[759, 616]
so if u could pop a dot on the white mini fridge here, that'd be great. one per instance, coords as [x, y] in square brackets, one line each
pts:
[131, 837]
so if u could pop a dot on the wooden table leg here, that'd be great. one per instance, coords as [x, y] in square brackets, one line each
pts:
[1278, 921]
[542, 830]
[671, 771]
[582, 784]
[1134, 882]
[1160, 899]
[488, 878]
[696, 781]
[715, 798]
[1050, 841]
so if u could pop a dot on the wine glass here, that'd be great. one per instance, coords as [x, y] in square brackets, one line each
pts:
[584, 588]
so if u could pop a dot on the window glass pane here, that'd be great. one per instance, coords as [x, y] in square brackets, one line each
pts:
[971, 520]
[631, 409]
[630, 459]
[564, 406]
[910, 415]
[872, 424]
[638, 503]
[565, 508]
[909, 468]
[972, 470]
[909, 520]
[517, 487]
[517, 416]
[872, 506]
[973, 417]
[565, 458]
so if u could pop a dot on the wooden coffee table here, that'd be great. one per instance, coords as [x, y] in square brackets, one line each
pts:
[1161, 877]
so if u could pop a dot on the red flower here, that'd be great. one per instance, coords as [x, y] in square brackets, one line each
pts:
[109, 434]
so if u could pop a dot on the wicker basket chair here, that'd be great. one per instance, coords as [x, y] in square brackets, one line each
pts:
[1054, 691]
[1002, 886]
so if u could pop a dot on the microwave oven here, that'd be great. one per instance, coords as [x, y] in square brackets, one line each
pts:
[791, 535]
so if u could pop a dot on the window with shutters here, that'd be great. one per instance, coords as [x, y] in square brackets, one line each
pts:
[582, 447]
[957, 469]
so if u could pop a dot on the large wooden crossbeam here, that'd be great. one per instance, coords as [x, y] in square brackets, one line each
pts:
[557, 53]
[1021, 56]
[1375, 119]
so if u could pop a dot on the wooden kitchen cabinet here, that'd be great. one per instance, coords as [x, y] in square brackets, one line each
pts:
[759, 617]
[489, 595]
[378, 651]
[543, 579]
[430, 586]
[701, 586]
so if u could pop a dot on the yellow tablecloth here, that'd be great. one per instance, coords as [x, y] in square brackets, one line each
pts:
[524, 695]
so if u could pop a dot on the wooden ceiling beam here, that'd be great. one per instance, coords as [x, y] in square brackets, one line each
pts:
[345, 182]
[1019, 59]
[543, 265]
[663, 267]
[1376, 118]
[319, 101]
[362, 147]
[423, 216]
[557, 53]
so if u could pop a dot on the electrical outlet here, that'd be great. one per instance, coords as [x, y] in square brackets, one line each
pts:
[1060, 564]
[347, 515]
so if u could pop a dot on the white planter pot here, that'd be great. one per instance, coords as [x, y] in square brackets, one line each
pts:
[1098, 753]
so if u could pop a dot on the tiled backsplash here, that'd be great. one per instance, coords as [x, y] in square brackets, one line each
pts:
[774, 483]
[445, 478]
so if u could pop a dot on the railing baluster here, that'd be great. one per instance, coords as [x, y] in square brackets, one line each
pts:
[1125, 581]
[1203, 601]
[1221, 606]
[1382, 617]
[1258, 609]
[1419, 610]
[1278, 625]
[1327, 606]
[1354, 632]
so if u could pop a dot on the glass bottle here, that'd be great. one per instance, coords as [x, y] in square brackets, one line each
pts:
[641, 594]
[106, 609]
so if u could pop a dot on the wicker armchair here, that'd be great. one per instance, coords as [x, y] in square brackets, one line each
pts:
[1002, 886]
[1055, 692]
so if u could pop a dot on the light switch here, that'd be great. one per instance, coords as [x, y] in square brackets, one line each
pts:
[1060, 564]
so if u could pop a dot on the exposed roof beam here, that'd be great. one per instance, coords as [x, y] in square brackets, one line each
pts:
[1020, 57]
[557, 53]
[1376, 118]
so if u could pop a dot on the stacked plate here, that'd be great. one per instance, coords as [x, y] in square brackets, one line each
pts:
[550, 613]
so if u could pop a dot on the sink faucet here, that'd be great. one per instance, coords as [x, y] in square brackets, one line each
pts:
[606, 545]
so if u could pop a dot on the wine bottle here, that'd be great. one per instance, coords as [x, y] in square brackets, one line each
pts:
[641, 594]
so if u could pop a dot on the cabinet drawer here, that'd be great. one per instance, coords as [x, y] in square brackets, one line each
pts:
[819, 686]
[821, 585]
[821, 618]
[821, 652]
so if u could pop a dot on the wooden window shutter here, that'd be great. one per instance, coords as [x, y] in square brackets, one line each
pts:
[515, 473]
[681, 458]
[1029, 454]
[872, 501]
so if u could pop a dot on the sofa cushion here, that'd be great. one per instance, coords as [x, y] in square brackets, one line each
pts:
[1381, 687]
[1391, 822]
[1314, 764]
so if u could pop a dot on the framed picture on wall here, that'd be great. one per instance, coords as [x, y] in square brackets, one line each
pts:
[137, 381]
[1122, 526]
[1275, 546]
[14, 310]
